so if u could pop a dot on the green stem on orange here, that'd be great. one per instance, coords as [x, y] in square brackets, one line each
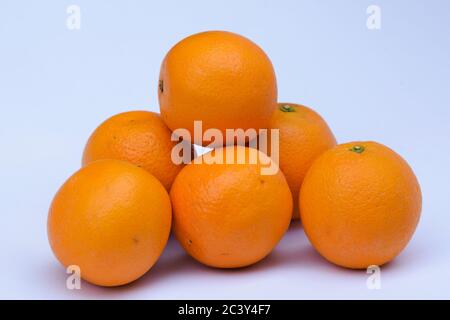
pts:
[357, 149]
[287, 108]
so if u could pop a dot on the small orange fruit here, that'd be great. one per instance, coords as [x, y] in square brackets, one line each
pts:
[111, 219]
[360, 204]
[303, 136]
[139, 137]
[220, 78]
[229, 215]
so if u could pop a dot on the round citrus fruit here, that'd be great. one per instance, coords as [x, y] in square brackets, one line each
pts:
[220, 78]
[139, 137]
[303, 136]
[360, 204]
[230, 215]
[112, 220]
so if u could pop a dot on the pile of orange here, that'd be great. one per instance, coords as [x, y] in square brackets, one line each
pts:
[359, 202]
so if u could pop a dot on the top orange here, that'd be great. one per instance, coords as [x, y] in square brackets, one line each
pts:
[220, 78]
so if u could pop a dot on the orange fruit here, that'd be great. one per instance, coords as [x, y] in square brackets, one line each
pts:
[139, 137]
[220, 78]
[303, 136]
[230, 215]
[360, 204]
[111, 219]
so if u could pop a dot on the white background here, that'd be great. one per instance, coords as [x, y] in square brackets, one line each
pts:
[56, 86]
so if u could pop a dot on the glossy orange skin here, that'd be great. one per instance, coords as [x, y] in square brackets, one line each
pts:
[229, 215]
[112, 219]
[303, 136]
[220, 78]
[360, 209]
[139, 137]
